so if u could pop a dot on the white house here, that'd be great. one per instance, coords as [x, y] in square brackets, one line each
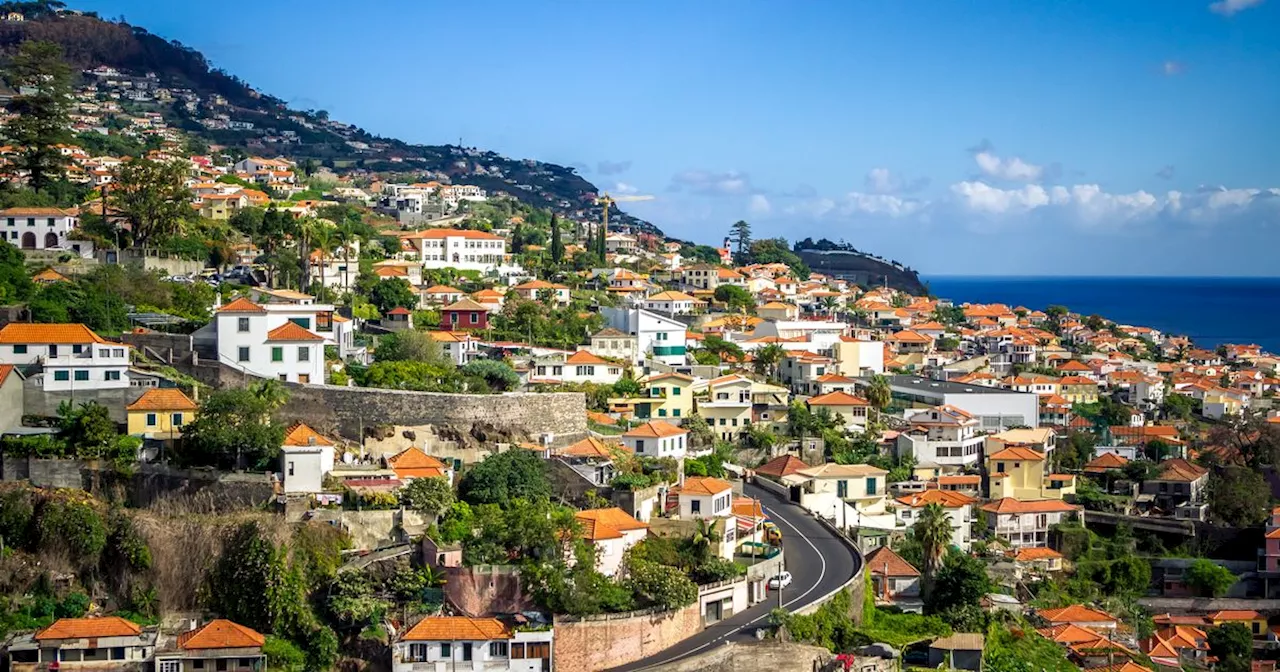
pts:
[672, 303]
[449, 643]
[1024, 524]
[852, 495]
[535, 290]
[656, 336]
[657, 439]
[579, 367]
[704, 497]
[282, 339]
[72, 356]
[465, 250]
[305, 458]
[943, 435]
[613, 531]
[460, 346]
[43, 229]
[958, 507]
[104, 643]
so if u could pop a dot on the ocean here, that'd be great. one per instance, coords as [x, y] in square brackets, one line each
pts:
[1211, 311]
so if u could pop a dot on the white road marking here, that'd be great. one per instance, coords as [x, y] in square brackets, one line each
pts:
[822, 573]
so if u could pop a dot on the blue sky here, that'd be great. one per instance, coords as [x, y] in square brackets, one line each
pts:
[987, 137]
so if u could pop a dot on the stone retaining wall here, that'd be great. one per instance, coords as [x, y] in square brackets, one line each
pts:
[602, 642]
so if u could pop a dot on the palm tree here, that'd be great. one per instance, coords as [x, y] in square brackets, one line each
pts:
[829, 304]
[704, 536]
[767, 359]
[343, 235]
[272, 393]
[878, 393]
[323, 238]
[933, 530]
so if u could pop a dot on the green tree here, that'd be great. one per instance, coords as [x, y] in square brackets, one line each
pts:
[411, 346]
[152, 196]
[393, 293]
[735, 298]
[15, 285]
[933, 530]
[740, 233]
[353, 602]
[1238, 497]
[40, 112]
[557, 243]
[496, 376]
[1208, 578]
[767, 359]
[250, 583]
[506, 476]
[428, 495]
[878, 392]
[961, 582]
[233, 428]
[658, 586]
[1232, 645]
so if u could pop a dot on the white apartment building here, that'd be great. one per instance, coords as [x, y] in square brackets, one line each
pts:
[462, 643]
[657, 439]
[72, 356]
[704, 497]
[280, 340]
[958, 507]
[43, 229]
[1024, 524]
[944, 436]
[464, 250]
[656, 336]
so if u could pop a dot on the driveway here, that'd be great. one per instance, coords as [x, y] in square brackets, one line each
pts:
[819, 563]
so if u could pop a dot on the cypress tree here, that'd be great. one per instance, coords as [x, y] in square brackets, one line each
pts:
[557, 245]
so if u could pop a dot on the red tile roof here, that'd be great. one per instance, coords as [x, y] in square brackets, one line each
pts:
[838, 398]
[1011, 505]
[51, 334]
[88, 628]
[885, 562]
[242, 305]
[702, 485]
[655, 429]
[1018, 453]
[456, 628]
[292, 332]
[1105, 462]
[782, 465]
[1076, 613]
[163, 399]
[413, 463]
[302, 435]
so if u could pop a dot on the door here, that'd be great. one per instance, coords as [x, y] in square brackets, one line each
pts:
[28, 241]
[50, 240]
[304, 378]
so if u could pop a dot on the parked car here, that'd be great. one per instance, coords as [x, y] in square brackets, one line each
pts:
[780, 580]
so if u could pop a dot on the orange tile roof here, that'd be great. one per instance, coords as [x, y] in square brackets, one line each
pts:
[584, 357]
[588, 447]
[301, 435]
[53, 334]
[702, 485]
[960, 479]
[655, 429]
[1074, 365]
[162, 399]
[1017, 453]
[442, 289]
[613, 518]
[838, 398]
[88, 628]
[1178, 469]
[947, 498]
[465, 303]
[221, 634]
[37, 212]
[1104, 463]
[1011, 505]
[292, 331]
[597, 530]
[5, 370]
[1235, 615]
[49, 275]
[391, 272]
[456, 628]
[1035, 553]
[885, 562]
[434, 234]
[1069, 633]
[242, 305]
[413, 463]
[747, 507]
[908, 336]
[1076, 613]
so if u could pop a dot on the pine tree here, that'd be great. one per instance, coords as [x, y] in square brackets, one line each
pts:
[517, 240]
[557, 245]
[741, 234]
[42, 106]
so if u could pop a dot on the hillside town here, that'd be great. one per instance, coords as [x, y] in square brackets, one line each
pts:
[263, 413]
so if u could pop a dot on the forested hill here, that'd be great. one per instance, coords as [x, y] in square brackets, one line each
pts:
[90, 42]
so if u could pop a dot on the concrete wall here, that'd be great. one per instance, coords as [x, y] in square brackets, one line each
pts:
[464, 418]
[602, 642]
[38, 401]
[147, 483]
[373, 529]
[489, 590]
[770, 656]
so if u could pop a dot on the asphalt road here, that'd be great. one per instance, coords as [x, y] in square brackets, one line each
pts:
[818, 561]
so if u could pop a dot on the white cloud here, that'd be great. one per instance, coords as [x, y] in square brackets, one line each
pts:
[759, 205]
[1171, 68]
[711, 183]
[622, 188]
[984, 198]
[1230, 7]
[1013, 169]
[885, 181]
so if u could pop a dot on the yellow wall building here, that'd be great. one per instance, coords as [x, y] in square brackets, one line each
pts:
[160, 413]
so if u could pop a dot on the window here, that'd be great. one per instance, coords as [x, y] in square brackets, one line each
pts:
[1000, 467]
[586, 371]
[324, 321]
[475, 319]
[695, 506]
[77, 349]
[242, 353]
[222, 665]
[538, 650]
[446, 650]
[62, 375]
[304, 353]
[290, 467]
[111, 375]
[675, 391]
[19, 349]
[117, 352]
[176, 419]
[466, 650]
[242, 324]
[871, 486]
[498, 649]
[116, 653]
[842, 489]
[417, 653]
[304, 322]
[171, 665]
[517, 650]
[277, 353]
[640, 445]
[675, 413]
[151, 420]
[82, 374]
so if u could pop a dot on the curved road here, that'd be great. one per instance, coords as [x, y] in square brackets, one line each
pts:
[819, 563]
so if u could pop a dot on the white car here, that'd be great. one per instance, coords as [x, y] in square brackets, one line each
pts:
[782, 580]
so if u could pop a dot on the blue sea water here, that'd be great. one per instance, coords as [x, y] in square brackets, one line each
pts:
[1209, 310]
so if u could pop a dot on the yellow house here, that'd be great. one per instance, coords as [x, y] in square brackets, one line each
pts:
[777, 310]
[727, 407]
[1257, 623]
[1078, 389]
[1018, 472]
[852, 410]
[160, 413]
[666, 395]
